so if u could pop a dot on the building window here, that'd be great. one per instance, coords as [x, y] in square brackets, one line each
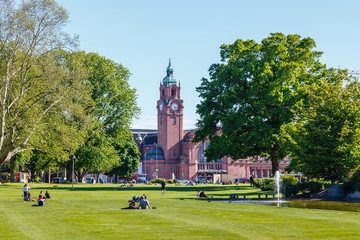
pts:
[174, 153]
[174, 121]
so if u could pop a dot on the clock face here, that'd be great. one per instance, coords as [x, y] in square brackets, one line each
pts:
[174, 106]
[161, 107]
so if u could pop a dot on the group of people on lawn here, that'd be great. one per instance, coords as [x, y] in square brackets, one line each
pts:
[142, 200]
[41, 198]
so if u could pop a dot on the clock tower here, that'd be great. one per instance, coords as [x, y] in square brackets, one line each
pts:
[170, 116]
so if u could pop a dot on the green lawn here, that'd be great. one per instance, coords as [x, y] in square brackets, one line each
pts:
[94, 212]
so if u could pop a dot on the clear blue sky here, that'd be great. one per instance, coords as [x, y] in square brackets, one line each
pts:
[143, 35]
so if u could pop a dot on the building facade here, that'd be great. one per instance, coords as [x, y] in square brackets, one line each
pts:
[169, 153]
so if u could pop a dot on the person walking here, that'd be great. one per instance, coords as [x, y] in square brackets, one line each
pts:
[163, 190]
[251, 180]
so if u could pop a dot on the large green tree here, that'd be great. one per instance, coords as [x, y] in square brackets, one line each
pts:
[42, 92]
[251, 95]
[115, 107]
[325, 138]
[130, 156]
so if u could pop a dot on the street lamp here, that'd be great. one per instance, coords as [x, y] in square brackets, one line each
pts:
[72, 157]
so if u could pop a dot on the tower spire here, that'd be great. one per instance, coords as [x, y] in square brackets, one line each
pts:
[169, 79]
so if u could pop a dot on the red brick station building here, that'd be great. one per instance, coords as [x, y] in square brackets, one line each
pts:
[169, 153]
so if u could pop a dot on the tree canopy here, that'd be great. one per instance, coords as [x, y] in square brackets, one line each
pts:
[43, 97]
[113, 110]
[252, 94]
[325, 138]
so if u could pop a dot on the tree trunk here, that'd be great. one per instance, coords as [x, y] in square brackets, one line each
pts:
[33, 174]
[275, 164]
[12, 169]
[49, 176]
[68, 170]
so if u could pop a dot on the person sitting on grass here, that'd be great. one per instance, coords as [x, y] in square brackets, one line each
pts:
[136, 199]
[203, 194]
[41, 201]
[29, 197]
[41, 194]
[144, 204]
[198, 194]
[132, 205]
[47, 195]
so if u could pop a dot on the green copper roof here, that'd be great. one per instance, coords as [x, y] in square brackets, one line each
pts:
[169, 79]
[138, 138]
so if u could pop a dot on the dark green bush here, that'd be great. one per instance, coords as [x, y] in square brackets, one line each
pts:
[315, 186]
[354, 182]
[158, 180]
[290, 190]
[170, 181]
[257, 182]
[355, 177]
[175, 181]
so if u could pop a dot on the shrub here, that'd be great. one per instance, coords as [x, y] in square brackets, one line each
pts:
[315, 186]
[170, 181]
[355, 177]
[289, 179]
[354, 182]
[290, 185]
[159, 180]
[175, 181]
[289, 189]
[268, 184]
[258, 182]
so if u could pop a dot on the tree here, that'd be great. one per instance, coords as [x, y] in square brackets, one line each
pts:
[96, 155]
[38, 162]
[42, 93]
[325, 138]
[129, 155]
[115, 107]
[251, 95]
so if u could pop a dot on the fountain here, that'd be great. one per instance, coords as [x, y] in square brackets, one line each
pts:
[309, 204]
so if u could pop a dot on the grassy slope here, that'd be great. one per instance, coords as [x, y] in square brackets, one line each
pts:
[94, 212]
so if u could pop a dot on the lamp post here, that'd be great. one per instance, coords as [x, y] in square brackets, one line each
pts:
[72, 157]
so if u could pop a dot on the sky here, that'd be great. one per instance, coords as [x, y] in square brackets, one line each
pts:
[144, 35]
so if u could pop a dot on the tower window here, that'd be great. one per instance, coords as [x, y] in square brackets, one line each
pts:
[160, 120]
[172, 92]
[174, 121]
[163, 92]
